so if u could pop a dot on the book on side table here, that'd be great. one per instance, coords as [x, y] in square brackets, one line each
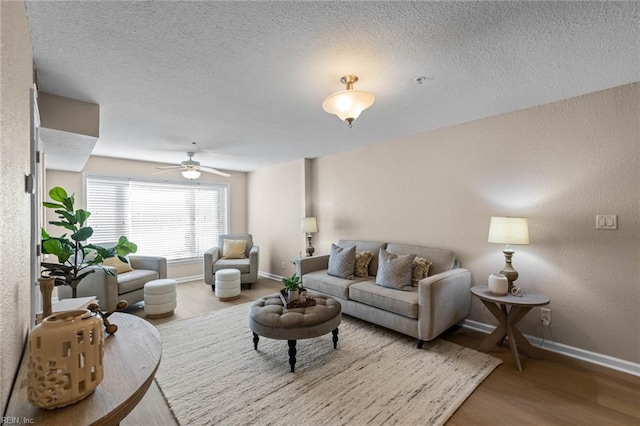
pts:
[68, 305]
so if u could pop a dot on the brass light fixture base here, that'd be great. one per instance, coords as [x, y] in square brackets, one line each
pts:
[349, 79]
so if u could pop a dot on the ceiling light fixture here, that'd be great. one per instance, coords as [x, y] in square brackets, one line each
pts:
[348, 104]
[191, 173]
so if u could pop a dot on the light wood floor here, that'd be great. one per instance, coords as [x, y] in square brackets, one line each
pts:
[554, 390]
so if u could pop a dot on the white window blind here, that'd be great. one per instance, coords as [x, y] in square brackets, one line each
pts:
[171, 219]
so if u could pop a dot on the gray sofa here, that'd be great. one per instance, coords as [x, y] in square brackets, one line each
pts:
[129, 286]
[438, 302]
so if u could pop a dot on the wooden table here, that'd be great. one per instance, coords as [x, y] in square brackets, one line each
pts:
[509, 310]
[131, 358]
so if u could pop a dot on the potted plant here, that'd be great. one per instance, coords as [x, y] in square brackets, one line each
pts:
[74, 256]
[292, 285]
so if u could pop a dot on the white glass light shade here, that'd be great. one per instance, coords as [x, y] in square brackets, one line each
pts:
[191, 174]
[509, 230]
[348, 104]
[308, 225]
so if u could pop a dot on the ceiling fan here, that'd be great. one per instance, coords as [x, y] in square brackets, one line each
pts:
[191, 169]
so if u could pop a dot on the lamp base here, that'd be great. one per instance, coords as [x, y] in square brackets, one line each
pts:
[310, 248]
[507, 269]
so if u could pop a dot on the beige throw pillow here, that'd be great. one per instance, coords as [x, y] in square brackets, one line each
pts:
[419, 270]
[121, 267]
[363, 258]
[234, 249]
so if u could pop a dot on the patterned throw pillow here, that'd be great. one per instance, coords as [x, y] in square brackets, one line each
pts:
[395, 271]
[342, 261]
[234, 249]
[121, 267]
[363, 258]
[419, 270]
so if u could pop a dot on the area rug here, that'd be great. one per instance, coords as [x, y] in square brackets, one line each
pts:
[211, 375]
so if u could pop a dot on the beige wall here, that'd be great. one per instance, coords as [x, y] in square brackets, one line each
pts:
[16, 72]
[277, 202]
[558, 164]
[72, 182]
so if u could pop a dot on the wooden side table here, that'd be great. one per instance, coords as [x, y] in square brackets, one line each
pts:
[131, 358]
[509, 310]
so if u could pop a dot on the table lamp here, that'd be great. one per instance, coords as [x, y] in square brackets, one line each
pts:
[509, 230]
[309, 225]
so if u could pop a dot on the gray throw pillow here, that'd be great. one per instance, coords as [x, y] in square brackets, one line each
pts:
[395, 271]
[342, 261]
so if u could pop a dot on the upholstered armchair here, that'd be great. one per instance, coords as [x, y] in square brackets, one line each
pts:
[129, 286]
[214, 260]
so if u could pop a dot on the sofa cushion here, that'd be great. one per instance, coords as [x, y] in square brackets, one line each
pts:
[394, 271]
[342, 261]
[240, 264]
[403, 303]
[135, 280]
[327, 284]
[372, 246]
[419, 270]
[363, 258]
[441, 260]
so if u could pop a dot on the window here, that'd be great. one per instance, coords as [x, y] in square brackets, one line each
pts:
[179, 221]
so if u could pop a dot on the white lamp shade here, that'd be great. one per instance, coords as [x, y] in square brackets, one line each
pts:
[191, 174]
[348, 103]
[509, 230]
[308, 225]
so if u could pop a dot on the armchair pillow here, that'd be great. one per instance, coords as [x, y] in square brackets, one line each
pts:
[395, 271]
[342, 261]
[234, 249]
[121, 267]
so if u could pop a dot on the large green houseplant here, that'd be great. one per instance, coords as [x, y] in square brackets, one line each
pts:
[74, 256]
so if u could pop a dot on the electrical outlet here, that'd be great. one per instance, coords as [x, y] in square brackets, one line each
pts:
[545, 316]
[284, 265]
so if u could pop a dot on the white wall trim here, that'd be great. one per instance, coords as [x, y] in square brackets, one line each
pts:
[270, 275]
[566, 350]
[189, 278]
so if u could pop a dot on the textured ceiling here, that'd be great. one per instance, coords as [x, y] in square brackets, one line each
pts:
[246, 80]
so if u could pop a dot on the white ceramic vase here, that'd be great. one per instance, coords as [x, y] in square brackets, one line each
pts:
[498, 284]
[65, 359]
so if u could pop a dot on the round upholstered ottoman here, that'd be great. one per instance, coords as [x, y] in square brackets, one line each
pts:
[269, 318]
[227, 284]
[160, 298]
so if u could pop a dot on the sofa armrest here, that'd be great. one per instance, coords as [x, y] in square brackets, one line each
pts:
[304, 265]
[254, 258]
[444, 299]
[99, 284]
[152, 263]
[210, 257]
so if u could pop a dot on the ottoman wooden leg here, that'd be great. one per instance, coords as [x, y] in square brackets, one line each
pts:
[292, 354]
[255, 341]
[335, 338]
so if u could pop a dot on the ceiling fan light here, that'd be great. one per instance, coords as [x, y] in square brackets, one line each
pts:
[191, 174]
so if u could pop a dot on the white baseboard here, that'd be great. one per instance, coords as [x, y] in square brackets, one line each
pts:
[190, 278]
[566, 350]
[270, 275]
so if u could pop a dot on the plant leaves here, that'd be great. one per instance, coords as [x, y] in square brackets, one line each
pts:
[68, 203]
[58, 194]
[66, 215]
[83, 234]
[52, 205]
[82, 216]
[64, 225]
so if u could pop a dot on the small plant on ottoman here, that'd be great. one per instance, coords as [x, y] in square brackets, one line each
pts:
[292, 285]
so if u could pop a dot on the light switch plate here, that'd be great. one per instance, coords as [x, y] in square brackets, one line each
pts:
[606, 221]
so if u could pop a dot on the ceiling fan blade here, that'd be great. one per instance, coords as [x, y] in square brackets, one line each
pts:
[212, 170]
[165, 170]
[169, 167]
